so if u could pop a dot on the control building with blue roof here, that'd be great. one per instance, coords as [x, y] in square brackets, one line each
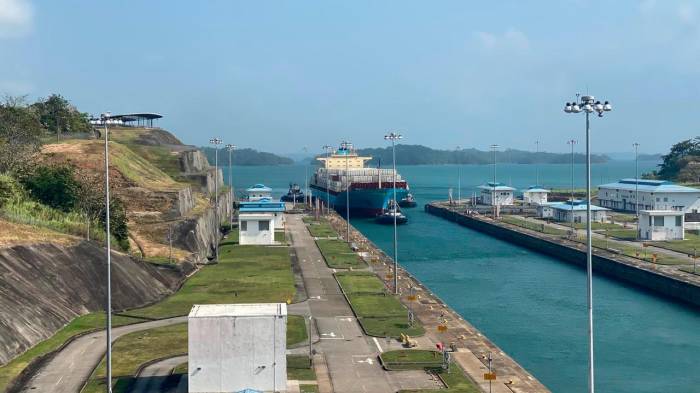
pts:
[653, 195]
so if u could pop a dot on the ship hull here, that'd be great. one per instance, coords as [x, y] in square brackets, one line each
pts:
[367, 202]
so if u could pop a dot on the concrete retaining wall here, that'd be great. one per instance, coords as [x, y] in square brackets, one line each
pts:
[649, 280]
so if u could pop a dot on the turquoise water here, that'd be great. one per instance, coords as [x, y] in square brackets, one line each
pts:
[531, 305]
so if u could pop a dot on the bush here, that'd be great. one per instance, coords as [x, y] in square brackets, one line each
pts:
[117, 222]
[54, 186]
[9, 189]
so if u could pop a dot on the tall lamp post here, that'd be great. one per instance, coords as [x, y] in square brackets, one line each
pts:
[105, 119]
[346, 146]
[636, 184]
[572, 142]
[393, 137]
[537, 163]
[306, 179]
[588, 105]
[329, 150]
[494, 200]
[216, 142]
[459, 177]
[230, 149]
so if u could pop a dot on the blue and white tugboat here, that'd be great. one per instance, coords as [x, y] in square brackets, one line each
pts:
[387, 216]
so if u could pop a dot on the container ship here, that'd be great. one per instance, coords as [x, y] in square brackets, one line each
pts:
[344, 174]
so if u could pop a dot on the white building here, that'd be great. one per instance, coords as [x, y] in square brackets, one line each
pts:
[653, 195]
[576, 211]
[256, 228]
[496, 194]
[661, 225]
[259, 192]
[233, 347]
[276, 208]
[545, 210]
[535, 195]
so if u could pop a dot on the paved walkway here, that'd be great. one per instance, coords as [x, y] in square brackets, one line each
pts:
[350, 356]
[153, 376]
[71, 367]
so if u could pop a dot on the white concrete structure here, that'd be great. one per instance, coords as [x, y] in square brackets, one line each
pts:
[535, 195]
[545, 210]
[277, 209]
[661, 225]
[496, 194]
[259, 192]
[576, 211]
[653, 195]
[233, 347]
[256, 228]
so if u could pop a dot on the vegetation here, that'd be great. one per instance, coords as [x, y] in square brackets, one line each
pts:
[689, 246]
[320, 228]
[296, 330]
[379, 313]
[244, 274]
[622, 234]
[422, 155]
[20, 135]
[455, 380]
[411, 359]
[246, 157]
[680, 163]
[78, 325]
[534, 226]
[299, 367]
[338, 254]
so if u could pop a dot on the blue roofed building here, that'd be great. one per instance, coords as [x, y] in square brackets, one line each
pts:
[571, 211]
[653, 195]
[258, 192]
[496, 194]
[535, 195]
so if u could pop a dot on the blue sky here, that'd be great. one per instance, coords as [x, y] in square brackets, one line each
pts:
[280, 75]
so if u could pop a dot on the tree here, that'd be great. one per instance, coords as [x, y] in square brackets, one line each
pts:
[54, 186]
[678, 158]
[20, 130]
[58, 116]
[117, 221]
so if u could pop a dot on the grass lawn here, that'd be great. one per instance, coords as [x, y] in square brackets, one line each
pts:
[411, 359]
[544, 228]
[596, 226]
[338, 254]
[76, 326]
[380, 314]
[134, 349]
[245, 274]
[623, 234]
[320, 228]
[635, 252]
[455, 380]
[687, 246]
[308, 388]
[296, 330]
[280, 237]
[299, 368]
[689, 269]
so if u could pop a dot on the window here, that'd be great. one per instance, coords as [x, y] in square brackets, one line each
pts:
[650, 223]
[659, 221]
[665, 199]
[678, 221]
[658, 199]
[244, 226]
[263, 225]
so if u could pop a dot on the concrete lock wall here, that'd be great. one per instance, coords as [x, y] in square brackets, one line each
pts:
[230, 354]
[649, 280]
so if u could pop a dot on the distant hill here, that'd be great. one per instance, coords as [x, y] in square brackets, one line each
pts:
[422, 155]
[681, 164]
[246, 157]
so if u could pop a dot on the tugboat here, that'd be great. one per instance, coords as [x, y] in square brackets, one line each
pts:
[408, 201]
[387, 217]
[295, 194]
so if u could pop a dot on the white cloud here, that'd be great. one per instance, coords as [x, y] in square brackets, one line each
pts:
[16, 18]
[510, 39]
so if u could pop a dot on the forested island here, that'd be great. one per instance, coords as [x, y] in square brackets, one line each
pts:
[423, 155]
[246, 157]
[681, 164]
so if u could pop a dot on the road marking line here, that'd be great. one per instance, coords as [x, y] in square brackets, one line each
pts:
[377, 344]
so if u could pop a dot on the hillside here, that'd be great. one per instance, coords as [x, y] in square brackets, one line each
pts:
[422, 155]
[246, 157]
[681, 164]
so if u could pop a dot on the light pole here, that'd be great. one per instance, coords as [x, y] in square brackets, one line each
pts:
[216, 142]
[636, 184]
[393, 137]
[537, 163]
[459, 177]
[306, 178]
[589, 105]
[105, 118]
[230, 149]
[328, 150]
[572, 142]
[494, 201]
[346, 146]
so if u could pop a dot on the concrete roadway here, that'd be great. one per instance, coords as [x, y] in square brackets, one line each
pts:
[350, 356]
[152, 377]
[70, 368]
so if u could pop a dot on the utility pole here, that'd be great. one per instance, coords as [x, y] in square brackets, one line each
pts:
[589, 105]
[306, 179]
[216, 142]
[636, 184]
[328, 150]
[230, 149]
[108, 361]
[537, 163]
[393, 137]
[170, 243]
[494, 200]
[459, 176]
[572, 142]
[347, 147]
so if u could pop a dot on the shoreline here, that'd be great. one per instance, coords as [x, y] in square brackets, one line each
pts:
[473, 347]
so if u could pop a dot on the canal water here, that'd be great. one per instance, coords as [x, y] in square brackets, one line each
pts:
[531, 305]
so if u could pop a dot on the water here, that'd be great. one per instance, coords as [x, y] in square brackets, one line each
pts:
[531, 305]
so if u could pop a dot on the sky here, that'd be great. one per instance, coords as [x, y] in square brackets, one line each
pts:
[282, 75]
